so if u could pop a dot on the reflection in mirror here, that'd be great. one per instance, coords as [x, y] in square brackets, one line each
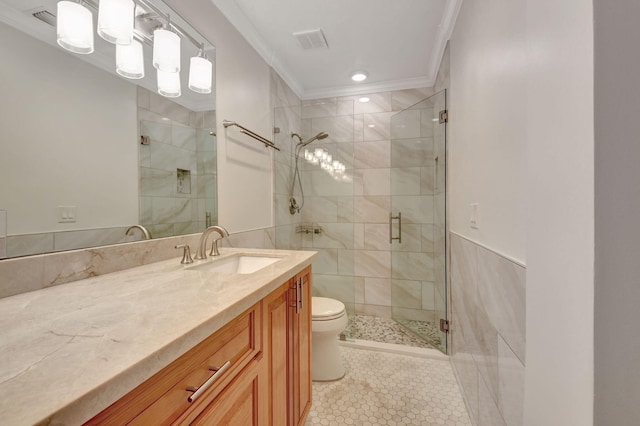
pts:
[86, 153]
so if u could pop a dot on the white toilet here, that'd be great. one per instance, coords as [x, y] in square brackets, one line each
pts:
[328, 320]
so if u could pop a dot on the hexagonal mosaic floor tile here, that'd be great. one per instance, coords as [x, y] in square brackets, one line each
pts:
[389, 389]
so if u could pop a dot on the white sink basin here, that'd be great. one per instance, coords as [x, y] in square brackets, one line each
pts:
[237, 264]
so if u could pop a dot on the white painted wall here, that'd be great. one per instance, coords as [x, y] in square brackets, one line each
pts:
[245, 188]
[522, 147]
[617, 233]
[487, 125]
[53, 129]
[560, 213]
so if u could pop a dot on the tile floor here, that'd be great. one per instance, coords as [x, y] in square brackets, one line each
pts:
[389, 389]
[386, 330]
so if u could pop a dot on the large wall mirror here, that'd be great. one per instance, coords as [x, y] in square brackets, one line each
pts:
[85, 152]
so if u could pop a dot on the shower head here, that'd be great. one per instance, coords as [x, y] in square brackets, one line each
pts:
[319, 136]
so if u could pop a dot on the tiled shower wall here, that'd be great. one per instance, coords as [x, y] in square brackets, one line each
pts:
[3, 234]
[488, 332]
[177, 168]
[355, 260]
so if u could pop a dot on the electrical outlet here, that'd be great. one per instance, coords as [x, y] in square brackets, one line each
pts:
[66, 214]
[473, 217]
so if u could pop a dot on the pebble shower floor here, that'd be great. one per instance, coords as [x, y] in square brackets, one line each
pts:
[389, 389]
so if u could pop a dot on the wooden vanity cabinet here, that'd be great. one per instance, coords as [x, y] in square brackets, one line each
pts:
[288, 344]
[267, 381]
[163, 399]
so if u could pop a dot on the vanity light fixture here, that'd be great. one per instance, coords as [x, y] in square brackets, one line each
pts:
[130, 60]
[115, 21]
[75, 27]
[166, 50]
[364, 99]
[169, 84]
[200, 73]
[359, 76]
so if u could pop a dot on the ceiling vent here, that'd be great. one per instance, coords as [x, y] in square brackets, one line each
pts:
[46, 17]
[311, 39]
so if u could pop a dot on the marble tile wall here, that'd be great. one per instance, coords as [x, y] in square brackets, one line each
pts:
[3, 234]
[488, 332]
[30, 273]
[51, 242]
[179, 139]
[356, 260]
[286, 118]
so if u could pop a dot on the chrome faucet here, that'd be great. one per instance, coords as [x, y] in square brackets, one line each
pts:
[202, 245]
[145, 232]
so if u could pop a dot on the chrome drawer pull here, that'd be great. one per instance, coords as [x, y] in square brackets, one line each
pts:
[197, 392]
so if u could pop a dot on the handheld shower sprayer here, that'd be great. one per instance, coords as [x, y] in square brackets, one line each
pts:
[293, 204]
[303, 143]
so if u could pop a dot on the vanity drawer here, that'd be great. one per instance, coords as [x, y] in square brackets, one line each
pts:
[164, 397]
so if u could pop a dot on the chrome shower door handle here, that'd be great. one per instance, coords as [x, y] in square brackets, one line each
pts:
[391, 219]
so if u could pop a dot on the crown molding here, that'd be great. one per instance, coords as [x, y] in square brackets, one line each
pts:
[239, 20]
[359, 89]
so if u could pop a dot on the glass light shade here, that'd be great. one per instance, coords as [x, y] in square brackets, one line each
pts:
[166, 50]
[130, 60]
[200, 74]
[115, 21]
[169, 84]
[75, 27]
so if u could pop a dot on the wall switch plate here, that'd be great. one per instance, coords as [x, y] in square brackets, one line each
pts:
[473, 218]
[66, 214]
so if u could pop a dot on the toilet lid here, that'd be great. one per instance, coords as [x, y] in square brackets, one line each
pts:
[324, 308]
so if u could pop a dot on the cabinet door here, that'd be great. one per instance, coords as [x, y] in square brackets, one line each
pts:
[242, 403]
[300, 348]
[276, 343]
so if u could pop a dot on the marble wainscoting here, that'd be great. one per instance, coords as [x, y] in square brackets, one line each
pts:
[488, 332]
[51, 242]
[30, 273]
[3, 234]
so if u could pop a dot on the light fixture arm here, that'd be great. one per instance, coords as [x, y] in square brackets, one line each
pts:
[157, 12]
[170, 25]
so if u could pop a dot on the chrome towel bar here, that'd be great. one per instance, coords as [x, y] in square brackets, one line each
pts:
[265, 141]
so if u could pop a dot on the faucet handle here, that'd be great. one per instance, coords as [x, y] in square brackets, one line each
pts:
[186, 254]
[214, 247]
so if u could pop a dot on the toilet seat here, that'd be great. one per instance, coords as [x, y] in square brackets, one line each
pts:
[325, 309]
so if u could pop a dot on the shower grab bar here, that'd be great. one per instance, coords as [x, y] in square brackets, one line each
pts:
[391, 219]
[265, 141]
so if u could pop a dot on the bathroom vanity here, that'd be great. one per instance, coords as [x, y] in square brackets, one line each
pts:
[163, 344]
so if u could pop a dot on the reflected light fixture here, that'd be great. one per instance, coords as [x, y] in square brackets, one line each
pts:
[200, 73]
[364, 99]
[74, 27]
[359, 76]
[130, 60]
[169, 84]
[166, 50]
[115, 21]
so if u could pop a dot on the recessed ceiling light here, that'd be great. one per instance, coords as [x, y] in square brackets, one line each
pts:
[371, 125]
[359, 76]
[364, 99]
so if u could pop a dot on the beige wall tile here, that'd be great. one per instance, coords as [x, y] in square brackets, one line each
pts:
[375, 264]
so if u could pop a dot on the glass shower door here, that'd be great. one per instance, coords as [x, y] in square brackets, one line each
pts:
[417, 221]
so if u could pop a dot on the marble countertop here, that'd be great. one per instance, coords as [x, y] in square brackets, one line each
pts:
[67, 352]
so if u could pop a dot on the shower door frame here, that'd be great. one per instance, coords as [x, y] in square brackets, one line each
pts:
[441, 280]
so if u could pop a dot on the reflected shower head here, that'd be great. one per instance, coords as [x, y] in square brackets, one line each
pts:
[319, 136]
